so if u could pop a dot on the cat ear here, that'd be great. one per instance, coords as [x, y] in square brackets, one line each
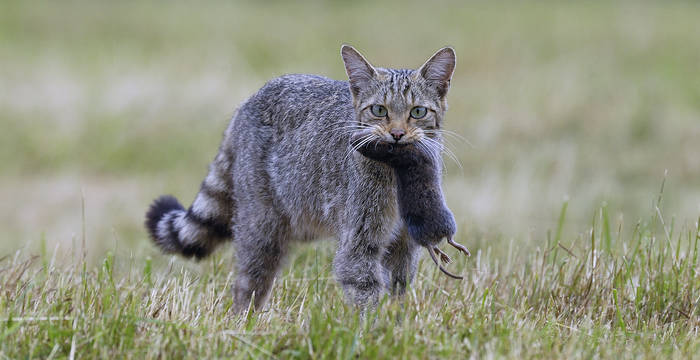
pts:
[437, 71]
[360, 71]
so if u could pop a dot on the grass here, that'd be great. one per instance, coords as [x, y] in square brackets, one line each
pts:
[575, 113]
[602, 294]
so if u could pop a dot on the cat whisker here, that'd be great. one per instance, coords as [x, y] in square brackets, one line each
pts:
[447, 142]
[362, 141]
[452, 134]
[433, 153]
[359, 145]
[434, 150]
[446, 150]
[448, 137]
[340, 126]
[352, 127]
[353, 131]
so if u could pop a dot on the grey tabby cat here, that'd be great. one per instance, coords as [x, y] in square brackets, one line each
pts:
[287, 171]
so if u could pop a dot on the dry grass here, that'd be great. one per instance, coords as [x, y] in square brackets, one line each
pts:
[600, 295]
[103, 106]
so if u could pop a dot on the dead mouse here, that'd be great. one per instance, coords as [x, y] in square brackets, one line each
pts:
[421, 202]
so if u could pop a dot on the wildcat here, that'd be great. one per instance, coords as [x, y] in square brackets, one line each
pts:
[286, 171]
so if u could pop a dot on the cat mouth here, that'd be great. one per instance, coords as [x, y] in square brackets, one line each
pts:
[373, 137]
[398, 144]
[389, 146]
[392, 143]
[388, 140]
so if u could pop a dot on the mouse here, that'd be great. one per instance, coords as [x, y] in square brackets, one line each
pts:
[421, 202]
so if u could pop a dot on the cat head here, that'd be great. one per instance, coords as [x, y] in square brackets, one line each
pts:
[400, 105]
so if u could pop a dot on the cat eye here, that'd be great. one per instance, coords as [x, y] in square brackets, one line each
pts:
[378, 110]
[418, 112]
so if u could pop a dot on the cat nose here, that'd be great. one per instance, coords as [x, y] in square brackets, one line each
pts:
[397, 134]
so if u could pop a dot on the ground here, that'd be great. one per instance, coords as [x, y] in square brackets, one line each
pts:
[575, 185]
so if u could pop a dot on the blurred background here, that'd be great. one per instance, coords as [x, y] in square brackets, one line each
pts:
[106, 105]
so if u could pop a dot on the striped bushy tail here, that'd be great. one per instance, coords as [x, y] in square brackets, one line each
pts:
[197, 231]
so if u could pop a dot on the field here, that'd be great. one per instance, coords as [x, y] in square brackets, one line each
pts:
[577, 185]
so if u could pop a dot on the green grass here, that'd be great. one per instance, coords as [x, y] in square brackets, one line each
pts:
[105, 105]
[602, 294]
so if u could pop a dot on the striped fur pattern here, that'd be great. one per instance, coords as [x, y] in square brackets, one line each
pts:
[197, 231]
[287, 171]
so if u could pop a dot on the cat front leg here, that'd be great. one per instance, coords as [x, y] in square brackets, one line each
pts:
[358, 260]
[358, 270]
[400, 262]
[365, 229]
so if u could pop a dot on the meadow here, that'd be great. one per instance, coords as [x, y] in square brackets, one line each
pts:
[576, 185]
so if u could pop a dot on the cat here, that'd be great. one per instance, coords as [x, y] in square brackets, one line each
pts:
[286, 171]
